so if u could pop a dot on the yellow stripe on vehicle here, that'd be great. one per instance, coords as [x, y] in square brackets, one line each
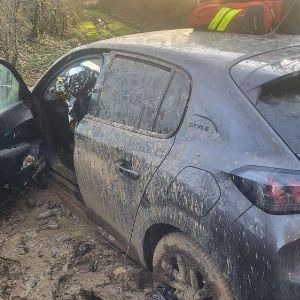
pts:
[227, 19]
[218, 18]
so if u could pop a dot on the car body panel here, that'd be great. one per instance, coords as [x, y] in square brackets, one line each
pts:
[111, 197]
[197, 190]
[119, 160]
[11, 118]
[20, 139]
[185, 45]
[209, 141]
[17, 132]
[268, 247]
[208, 59]
[221, 131]
[252, 73]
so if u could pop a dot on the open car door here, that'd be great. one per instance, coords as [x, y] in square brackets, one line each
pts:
[21, 145]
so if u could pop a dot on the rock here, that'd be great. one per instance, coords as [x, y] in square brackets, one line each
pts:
[57, 205]
[30, 202]
[111, 238]
[68, 212]
[93, 267]
[64, 238]
[68, 297]
[46, 214]
[22, 218]
[140, 279]
[88, 295]
[100, 231]
[106, 252]
[40, 203]
[65, 268]
[164, 293]
[28, 241]
[83, 248]
[53, 225]
[48, 271]
[119, 271]
[34, 282]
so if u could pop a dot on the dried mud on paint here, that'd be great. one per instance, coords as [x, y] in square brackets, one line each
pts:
[61, 256]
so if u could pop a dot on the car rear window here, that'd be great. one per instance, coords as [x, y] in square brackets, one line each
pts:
[279, 103]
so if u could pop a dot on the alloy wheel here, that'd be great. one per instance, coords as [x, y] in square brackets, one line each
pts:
[187, 279]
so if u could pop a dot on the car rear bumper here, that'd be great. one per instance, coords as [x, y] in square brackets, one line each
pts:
[267, 255]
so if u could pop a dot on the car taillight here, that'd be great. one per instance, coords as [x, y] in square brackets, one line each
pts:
[273, 190]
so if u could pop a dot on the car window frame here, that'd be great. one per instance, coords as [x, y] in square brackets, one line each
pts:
[150, 61]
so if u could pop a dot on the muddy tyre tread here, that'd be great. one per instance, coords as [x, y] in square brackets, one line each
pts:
[183, 242]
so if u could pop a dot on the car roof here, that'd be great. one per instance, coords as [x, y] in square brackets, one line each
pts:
[187, 44]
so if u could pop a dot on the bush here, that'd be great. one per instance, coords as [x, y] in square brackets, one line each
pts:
[22, 20]
[55, 17]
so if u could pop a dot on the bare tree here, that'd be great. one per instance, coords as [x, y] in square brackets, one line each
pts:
[9, 25]
[22, 20]
[56, 17]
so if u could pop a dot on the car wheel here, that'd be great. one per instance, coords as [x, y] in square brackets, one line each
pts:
[180, 263]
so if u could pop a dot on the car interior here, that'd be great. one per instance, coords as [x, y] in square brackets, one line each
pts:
[21, 144]
[66, 97]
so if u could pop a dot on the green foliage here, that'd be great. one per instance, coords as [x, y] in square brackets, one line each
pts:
[36, 57]
[98, 25]
[89, 31]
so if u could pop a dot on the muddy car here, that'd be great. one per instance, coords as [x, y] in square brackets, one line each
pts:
[185, 146]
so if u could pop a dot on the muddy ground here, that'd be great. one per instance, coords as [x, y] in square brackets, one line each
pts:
[48, 250]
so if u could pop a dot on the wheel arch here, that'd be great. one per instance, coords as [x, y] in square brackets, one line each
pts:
[153, 222]
[152, 236]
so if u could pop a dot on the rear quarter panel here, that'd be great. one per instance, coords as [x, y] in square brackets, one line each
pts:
[192, 190]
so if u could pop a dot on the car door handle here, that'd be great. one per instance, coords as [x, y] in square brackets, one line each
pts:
[128, 172]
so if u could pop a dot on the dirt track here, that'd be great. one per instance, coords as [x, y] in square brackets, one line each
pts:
[40, 261]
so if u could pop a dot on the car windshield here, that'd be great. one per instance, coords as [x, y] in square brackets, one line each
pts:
[280, 105]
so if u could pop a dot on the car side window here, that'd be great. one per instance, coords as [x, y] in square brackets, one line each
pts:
[143, 95]
[174, 104]
[9, 88]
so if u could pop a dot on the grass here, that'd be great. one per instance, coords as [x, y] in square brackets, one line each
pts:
[97, 25]
[89, 31]
[36, 58]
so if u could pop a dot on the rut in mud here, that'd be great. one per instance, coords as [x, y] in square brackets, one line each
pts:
[47, 252]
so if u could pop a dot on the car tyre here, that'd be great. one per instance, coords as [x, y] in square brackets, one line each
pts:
[181, 264]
